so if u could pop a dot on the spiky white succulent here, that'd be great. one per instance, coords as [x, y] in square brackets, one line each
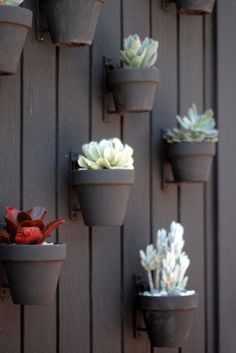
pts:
[166, 264]
[137, 54]
[106, 154]
[194, 128]
[11, 2]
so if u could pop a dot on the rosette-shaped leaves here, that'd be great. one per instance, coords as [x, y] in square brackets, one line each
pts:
[194, 128]
[106, 154]
[137, 54]
[27, 227]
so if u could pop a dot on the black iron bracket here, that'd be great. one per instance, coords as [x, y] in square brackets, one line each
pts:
[109, 110]
[139, 286]
[42, 32]
[73, 196]
[166, 4]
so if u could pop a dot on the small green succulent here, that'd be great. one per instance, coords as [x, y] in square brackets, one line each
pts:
[137, 54]
[194, 128]
[106, 154]
[11, 2]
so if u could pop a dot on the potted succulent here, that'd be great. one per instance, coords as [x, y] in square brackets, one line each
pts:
[103, 179]
[167, 306]
[191, 148]
[72, 23]
[134, 86]
[32, 265]
[195, 7]
[15, 23]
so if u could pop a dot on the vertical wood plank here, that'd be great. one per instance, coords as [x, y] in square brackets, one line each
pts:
[226, 105]
[73, 131]
[136, 232]
[192, 196]
[39, 150]
[164, 202]
[105, 241]
[10, 193]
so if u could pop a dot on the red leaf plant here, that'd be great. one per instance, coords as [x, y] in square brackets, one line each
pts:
[27, 227]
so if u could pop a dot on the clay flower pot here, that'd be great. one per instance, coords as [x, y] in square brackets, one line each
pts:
[133, 90]
[191, 162]
[195, 7]
[103, 195]
[32, 271]
[168, 319]
[72, 23]
[15, 23]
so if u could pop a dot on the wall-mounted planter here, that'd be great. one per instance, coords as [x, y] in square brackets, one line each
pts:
[133, 90]
[191, 162]
[168, 319]
[103, 195]
[33, 271]
[192, 7]
[15, 23]
[72, 23]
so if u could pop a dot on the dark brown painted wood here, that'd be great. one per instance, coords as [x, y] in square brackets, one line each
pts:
[226, 204]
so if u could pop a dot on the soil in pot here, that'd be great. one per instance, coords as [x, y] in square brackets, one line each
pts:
[191, 162]
[72, 23]
[103, 195]
[33, 271]
[195, 7]
[133, 90]
[168, 319]
[15, 23]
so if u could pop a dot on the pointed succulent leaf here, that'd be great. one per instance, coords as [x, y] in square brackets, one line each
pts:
[50, 227]
[5, 237]
[12, 213]
[23, 216]
[37, 212]
[34, 223]
[28, 235]
[11, 2]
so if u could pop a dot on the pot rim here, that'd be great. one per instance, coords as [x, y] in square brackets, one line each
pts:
[191, 148]
[103, 176]
[34, 253]
[16, 15]
[128, 74]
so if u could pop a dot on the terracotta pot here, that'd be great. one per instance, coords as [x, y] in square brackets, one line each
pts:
[33, 271]
[15, 23]
[195, 7]
[191, 162]
[72, 23]
[133, 90]
[168, 319]
[103, 195]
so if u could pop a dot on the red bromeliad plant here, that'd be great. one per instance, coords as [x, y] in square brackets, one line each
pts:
[27, 227]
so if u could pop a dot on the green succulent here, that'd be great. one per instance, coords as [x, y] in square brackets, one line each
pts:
[11, 2]
[137, 54]
[106, 154]
[194, 128]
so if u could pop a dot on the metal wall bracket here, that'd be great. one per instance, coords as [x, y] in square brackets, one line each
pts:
[109, 110]
[4, 292]
[73, 195]
[42, 32]
[139, 286]
[166, 4]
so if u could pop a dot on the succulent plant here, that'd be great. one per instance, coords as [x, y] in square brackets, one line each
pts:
[166, 264]
[194, 128]
[106, 154]
[27, 227]
[11, 2]
[137, 54]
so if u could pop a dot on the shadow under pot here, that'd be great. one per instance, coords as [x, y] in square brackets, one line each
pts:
[103, 195]
[191, 162]
[195, 7]
[72, 23]
[15, 23]
[168, 319]
[33, 271]
[133, 90]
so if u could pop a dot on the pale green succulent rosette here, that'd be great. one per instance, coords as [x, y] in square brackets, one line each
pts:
[137, 54]
[106, 154]
[194, 128]
[11, 2]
